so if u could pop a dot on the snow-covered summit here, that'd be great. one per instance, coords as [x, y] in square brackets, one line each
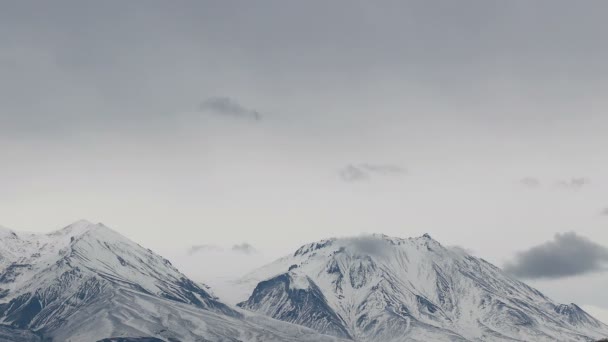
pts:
[86, 282]
[381, 288]
[78, 228]
[86, 257]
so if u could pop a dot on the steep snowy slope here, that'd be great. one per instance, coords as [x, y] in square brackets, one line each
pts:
[379, 288]
[87, 282]
[296, 299]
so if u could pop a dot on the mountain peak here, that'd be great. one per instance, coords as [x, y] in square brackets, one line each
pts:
[379, 287]
[80, 282]
[82, 227]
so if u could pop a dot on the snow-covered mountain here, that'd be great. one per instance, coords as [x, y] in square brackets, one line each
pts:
[86, 283]
[379, 288]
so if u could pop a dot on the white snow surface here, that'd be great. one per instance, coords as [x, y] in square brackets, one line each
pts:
[392, 289]
[87, 282]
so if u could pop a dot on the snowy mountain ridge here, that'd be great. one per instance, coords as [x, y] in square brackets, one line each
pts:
[86, 282]
[380, 288]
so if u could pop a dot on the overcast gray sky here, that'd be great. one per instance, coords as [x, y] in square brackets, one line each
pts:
[277, 123]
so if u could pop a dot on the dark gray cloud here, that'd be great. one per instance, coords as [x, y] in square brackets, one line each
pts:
[566, 255]
[244, 248]
[530, 182]
[366, 171]
[229, 107]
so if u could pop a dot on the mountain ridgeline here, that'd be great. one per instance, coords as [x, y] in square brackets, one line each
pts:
[379, 288]
[86, 282]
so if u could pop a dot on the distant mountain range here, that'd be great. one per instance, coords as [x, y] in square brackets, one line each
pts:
[86, 282]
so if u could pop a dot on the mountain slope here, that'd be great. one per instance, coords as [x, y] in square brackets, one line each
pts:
[296, 299]
[87, 282]
[380, 288]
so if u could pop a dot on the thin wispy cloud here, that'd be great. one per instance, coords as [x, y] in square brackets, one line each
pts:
[567, 255]
[366, 171]
[352, 173]
[203, 248]
[244, 248]
[574, 183]
[229, 107]
[530, 182]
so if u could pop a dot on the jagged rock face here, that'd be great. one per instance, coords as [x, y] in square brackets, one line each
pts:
[296, 299]
[387, 289]
[88, 283]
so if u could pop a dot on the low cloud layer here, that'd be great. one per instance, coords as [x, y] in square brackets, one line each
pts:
[229, 107]
[566, 255]
[366, 171]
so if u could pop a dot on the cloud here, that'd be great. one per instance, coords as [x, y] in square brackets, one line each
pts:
[366, 171]
[244, 248]
[203, 248]
[566, 255]
[383, 168]
[574, 183]
[229, 107]
[352, 173]
[530, 182]
[368, 245]
[604, 212]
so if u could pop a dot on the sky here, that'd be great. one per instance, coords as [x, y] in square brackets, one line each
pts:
[275, 123]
